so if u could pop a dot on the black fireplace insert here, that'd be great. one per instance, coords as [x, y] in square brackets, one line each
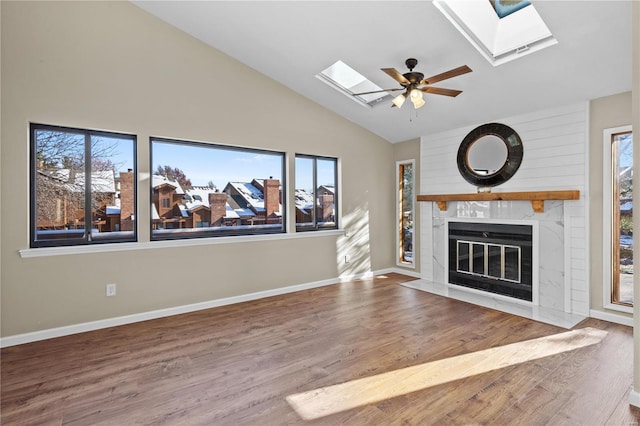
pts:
[492, 257]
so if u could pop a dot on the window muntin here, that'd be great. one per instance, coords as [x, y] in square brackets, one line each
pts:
[207, 190]
[68, 192]
[316, 196]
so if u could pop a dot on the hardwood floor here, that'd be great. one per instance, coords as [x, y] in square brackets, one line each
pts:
[236, 365]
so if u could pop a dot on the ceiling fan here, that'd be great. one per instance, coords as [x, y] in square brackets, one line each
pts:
[414, 84]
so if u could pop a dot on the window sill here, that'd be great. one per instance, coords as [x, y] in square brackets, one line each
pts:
[619, 308]
[106, 248]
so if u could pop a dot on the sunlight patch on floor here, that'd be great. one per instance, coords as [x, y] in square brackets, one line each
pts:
[356, 393]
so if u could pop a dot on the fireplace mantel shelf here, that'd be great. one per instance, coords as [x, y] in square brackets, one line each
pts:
[537, 198]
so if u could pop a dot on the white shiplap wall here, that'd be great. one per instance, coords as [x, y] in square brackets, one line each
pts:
[555, 143]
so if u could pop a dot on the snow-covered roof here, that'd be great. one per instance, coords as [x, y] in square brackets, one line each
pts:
[102, 181]
[329, 188]
[199, 196]
[113, 210]
[154, 212]
[231, 213]
[304, 199]
[60, 174]
[244, 212]
[250, 193]
[158, 180]
[253, 196]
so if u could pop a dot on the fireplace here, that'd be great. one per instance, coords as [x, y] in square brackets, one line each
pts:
[492, 257]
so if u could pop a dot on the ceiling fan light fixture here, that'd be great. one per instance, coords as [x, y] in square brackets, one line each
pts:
[417, 98]
[418, 102]
[398, 101]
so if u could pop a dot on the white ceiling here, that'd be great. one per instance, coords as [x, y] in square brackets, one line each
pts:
[292, 41]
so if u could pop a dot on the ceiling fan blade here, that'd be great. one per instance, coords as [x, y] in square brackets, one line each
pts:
[395, 74]
[440, 91]
[378, 91]
[447, 74]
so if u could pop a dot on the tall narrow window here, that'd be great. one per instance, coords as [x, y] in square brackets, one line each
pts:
[83, 186]
[405, 212]
[316, 195]
[622, 232]
[619, 215]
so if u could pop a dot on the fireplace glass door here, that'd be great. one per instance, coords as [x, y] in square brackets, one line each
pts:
[491, 257]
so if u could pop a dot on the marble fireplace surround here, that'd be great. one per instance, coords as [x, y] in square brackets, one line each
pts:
[551, 288]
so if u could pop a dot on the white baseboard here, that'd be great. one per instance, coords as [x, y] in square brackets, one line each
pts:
[611, 317]
[51, 333]
[410, 273]
[634, 398]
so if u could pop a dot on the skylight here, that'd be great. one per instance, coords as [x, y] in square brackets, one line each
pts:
[501, 31]
[342, 77]
[507, 7]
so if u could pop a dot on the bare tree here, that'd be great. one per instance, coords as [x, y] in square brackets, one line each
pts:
[175, 174]
[61, 176]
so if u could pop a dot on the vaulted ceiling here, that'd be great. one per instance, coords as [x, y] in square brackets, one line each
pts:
[292, 41]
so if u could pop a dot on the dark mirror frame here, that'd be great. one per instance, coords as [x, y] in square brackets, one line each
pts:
[514, 155]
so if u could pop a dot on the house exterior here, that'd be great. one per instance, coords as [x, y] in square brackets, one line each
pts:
[62, 206]
[240, 203]
[324, 205]
[260, 196]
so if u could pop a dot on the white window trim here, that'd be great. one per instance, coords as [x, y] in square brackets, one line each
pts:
[607, 219]
[412, 264]
[187, 242]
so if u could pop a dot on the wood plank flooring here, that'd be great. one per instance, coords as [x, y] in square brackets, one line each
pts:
[235, 365]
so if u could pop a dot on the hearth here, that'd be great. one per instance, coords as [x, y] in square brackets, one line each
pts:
[492, 257]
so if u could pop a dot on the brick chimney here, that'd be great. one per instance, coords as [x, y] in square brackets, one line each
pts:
[271, 197]
[126, 200]
[326, 207]
[218, 205]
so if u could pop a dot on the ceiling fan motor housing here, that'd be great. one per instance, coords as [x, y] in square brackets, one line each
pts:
[413, 77]
[411, 63]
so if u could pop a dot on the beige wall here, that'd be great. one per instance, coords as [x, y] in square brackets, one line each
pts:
[109, 65]
[607, 112]
[410, 150]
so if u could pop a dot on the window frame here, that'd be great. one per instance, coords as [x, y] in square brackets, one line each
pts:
[399, 228]
[608, 221]
[87, 239]
[232, 231]
[336, 198]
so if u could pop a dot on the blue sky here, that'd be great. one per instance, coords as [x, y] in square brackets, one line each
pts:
[203, 164]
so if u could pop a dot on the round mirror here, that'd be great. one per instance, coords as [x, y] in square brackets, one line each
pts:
[487, 155]
[490, 155]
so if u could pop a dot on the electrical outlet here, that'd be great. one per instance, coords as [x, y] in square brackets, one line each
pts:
[111, 290]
